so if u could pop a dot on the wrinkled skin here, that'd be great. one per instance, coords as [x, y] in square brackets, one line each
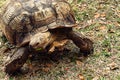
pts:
[31, 25]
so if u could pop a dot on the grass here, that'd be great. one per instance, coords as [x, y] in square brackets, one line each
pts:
[100, 21]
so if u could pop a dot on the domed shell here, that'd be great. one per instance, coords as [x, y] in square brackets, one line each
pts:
[22, 18]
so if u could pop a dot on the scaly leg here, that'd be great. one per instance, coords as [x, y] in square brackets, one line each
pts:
[85, 44]
[17, 60]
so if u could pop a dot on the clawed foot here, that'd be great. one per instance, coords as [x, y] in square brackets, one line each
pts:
[88, 48]
[16, 61]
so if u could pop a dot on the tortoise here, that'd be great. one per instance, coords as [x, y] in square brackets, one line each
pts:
[35, 24]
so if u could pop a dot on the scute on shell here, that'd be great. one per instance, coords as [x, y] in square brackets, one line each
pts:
[23, 18]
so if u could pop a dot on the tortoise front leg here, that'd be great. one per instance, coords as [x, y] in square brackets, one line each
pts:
[85, 44]
[17, 60]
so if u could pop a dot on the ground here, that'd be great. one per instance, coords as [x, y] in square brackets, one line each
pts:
[98, 20]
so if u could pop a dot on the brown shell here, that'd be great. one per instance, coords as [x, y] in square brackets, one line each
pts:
[22, 18]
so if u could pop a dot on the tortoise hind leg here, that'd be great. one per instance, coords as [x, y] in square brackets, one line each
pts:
[85, 44]
[17, 60]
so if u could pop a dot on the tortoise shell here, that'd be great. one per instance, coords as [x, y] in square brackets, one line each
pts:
[21, 19]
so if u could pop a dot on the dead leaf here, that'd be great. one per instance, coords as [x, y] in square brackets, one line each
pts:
[90, 22]
[113, 66]
[79, 63]
[46, 69]
[116, 24]
[103, 15]
[102, 27]
[96, 78]
[97, 15]
[111, 31]
[81, 77]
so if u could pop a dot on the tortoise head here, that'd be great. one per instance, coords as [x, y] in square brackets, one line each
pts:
[41, 40]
